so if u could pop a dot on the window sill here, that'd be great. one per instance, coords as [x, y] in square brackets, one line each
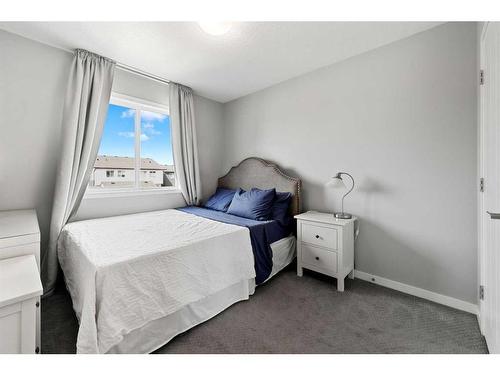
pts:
[122, 193]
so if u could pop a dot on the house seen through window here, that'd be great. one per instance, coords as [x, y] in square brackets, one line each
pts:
[135, 149]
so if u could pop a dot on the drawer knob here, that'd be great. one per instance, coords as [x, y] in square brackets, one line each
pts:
[317, 236]
[37, 304]
[317, 258]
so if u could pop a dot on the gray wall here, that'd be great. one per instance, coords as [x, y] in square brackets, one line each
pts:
[33, 79]
[402, 120]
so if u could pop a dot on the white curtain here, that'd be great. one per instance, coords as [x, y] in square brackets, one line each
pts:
[184, 144]
[85, 110]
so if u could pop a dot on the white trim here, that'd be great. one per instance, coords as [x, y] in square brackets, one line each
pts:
[120, 193]
[138, 103]
[418, 292]
[137, 145]
[481, 173]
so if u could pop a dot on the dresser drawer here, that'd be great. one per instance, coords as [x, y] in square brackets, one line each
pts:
[318, 235]
[319, 257]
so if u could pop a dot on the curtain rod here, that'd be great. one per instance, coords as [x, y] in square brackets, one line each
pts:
[141, 73]
[130, 69]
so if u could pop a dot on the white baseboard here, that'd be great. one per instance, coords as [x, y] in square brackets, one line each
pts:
[418, 292]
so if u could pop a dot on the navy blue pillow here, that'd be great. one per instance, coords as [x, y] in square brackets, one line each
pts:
[221, 200]
[255, 204]
[280, 208]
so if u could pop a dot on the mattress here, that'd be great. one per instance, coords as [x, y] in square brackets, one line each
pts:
[127, 271]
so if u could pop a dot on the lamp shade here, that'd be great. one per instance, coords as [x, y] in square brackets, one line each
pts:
[336, 182]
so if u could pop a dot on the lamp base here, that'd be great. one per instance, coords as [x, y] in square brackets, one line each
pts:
[342, 215]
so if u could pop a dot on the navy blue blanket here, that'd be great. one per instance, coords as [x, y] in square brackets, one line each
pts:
[262, 235]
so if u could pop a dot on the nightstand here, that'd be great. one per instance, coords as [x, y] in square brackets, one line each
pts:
[20, 291]
[20, 235]
[326, 245]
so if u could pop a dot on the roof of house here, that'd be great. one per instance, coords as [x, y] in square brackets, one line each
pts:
[124, 162]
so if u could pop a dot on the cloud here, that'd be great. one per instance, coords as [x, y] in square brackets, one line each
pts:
[150, 129]
[144, 137]
[128, 113]
[153, 116]
[127, 134]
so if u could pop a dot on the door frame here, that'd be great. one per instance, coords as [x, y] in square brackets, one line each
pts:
[481, 173]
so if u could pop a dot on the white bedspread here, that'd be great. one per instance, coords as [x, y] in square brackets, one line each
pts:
[123, 272]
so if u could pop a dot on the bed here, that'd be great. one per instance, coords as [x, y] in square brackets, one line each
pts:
[137, 281]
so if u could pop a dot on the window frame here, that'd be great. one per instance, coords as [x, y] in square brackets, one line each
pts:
[138, 105]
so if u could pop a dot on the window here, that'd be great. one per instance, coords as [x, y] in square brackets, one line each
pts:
[136, 148]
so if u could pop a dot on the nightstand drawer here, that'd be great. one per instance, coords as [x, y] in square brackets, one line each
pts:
[318, 235]
[319, 257]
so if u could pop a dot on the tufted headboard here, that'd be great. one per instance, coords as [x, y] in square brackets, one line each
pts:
[259, 173]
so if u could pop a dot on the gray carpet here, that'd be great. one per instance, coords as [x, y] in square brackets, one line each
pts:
[304, 315]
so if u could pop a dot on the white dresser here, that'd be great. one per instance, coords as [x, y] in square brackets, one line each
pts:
[326, 245]
[20, 235]
[20, 290]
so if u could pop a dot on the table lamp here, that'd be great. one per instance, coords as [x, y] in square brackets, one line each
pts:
[338, 181]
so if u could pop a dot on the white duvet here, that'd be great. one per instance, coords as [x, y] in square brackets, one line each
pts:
[124, 272]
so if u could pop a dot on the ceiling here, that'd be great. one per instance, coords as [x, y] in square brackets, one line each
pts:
[250, 57]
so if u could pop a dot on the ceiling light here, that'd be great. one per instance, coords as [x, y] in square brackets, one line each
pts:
[215, 28]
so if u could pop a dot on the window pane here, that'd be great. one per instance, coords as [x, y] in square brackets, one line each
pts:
[157, 164]
[114, 167]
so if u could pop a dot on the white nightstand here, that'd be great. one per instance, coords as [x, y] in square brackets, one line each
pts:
[326, 245]
[20, 235]
[20, 290]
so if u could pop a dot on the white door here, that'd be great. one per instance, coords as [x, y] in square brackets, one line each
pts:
[489, 224]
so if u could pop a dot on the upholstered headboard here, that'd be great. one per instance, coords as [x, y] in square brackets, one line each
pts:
[259, 173]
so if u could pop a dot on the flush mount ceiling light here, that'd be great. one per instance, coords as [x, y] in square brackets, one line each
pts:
[215, 28]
